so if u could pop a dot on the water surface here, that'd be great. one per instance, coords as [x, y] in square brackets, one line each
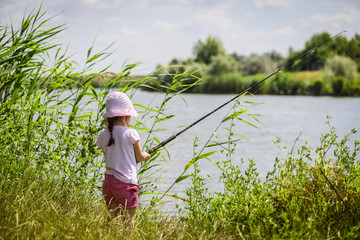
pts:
[285, 117]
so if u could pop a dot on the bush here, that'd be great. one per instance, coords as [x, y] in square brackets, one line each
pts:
[221, 65]
[251, 80]
[223, 83]
[340, 66]
[282, 84]
[356, 87]
[308, 194]
[338, 86]
[316, 87]
[255, 64]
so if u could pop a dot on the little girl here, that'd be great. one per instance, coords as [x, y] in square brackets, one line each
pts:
[122, 150]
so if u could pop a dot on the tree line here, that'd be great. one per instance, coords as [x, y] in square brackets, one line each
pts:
[332, 69]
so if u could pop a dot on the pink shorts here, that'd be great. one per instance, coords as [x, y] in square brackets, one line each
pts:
[118, 192]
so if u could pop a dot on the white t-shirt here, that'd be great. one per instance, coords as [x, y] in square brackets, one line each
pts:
[120, 158]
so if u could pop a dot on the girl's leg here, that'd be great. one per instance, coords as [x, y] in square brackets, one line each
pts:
[115, 209]
[130, 217]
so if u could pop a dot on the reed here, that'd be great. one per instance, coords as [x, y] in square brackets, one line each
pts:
[298, 199]
[50, 168]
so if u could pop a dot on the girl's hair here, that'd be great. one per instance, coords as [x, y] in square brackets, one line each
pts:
[110, 127]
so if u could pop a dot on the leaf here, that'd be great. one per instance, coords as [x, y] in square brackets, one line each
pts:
[222, 143]
[249, 123]
[188, 165]
[232, 116]
[205, 155]
[175, 196]
[164, 118]
[179, 179]
[236, 134]
[147, 108]
[43, 108]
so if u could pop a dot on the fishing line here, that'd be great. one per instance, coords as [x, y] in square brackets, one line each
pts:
[280, 70]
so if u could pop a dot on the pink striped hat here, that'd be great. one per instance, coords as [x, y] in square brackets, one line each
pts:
[118, 104]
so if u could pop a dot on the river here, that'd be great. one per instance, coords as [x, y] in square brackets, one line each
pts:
[283, 117]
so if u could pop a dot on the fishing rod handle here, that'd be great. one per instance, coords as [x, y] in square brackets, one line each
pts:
[150, 151]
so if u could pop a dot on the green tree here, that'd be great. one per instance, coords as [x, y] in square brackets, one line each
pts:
[316, 60]
[341, 71]
[255, 63]
[353, 49]
[340, 66]
[275, 57]
[258, 64]
[204, 51]
[222, 64]
[240, 60]
[337, 46]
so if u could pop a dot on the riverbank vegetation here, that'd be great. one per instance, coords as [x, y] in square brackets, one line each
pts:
[331, 70]
[50, 168]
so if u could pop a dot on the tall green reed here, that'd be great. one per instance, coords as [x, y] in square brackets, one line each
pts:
[51, 113]
[45, 114]
[50, 117]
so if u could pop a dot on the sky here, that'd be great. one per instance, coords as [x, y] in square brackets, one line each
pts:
[156, 31]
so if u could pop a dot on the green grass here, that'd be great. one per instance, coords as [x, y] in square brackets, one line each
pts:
[305, 196]
[49, 163]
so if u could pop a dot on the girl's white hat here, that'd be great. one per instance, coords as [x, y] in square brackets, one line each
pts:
[118, 104]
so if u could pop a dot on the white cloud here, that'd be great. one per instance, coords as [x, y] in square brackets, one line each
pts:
[349, 17]
[91, 2]
[129, 32]
[214, 18]
[287, 31]
[165, 26]
[155, 31]
[115, 19]
[261, 40]
[183, 2]
[272, 3]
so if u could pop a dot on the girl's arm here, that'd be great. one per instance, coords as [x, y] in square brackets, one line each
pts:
[139, 154]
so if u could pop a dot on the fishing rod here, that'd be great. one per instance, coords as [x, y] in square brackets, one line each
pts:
[281, 69]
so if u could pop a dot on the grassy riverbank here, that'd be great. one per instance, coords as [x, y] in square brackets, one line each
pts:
[306, 196]
[50, 167]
